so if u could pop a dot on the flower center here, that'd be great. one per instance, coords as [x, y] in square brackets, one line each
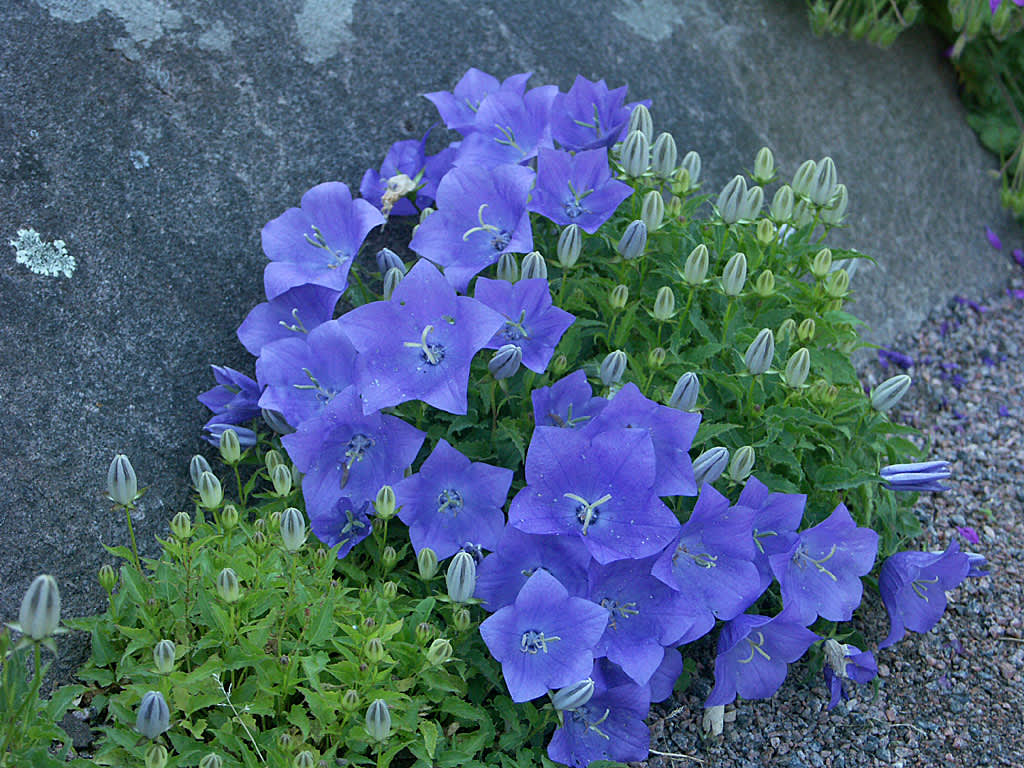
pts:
[334, 258]
[355, 450]
[587, 512]
[500, 238]
[618, 610]
[755, 647]
[918, 585]
[587, 717]
[703, 559]
[449, 499]
[514, 330]
[801, 558]
[534, 642]
[430, 353]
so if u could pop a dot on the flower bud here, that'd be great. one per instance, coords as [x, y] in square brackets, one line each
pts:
[293, 529]
[378, 720]
[696, 267]
[750, 209]
[766, 232]
[389, 557]
[823, 186]
[823, 392]
[163, 656]
[426, 212]
[806, 330]
[652, 211]
[426, 563]
[228, 588]
[304, 759]
[633, 241]
[570, 245]
[735, 274]
[389, 590]
[385, 502]
[196, 467]
[374, 650]
[506, 361]
[835, 212]
[635, 154]
[276, 421]
[573, 696]
[618, 297]
[782, 204]
[764, 166]
[281, 477]
[742, 464]
[612, 367]
[272, 459]
[320, 556]
[838, 284]
[424, 632]
[640, 120]
[462, 619]
[684, 394]
[156, 756]
[560, 364]
[786, 331]
[461, 577]
[211, 760]
[40, 608]
[803, 179]
[664, 304]
[534, 267]
[664, 155]
[797, 368]
[710, 465]
[508, 267]
[889, 392]
[691, 166]
[181, 526]
[122, 487]
[759, 354]
[656, 357]
[230, 448]
[210, 492]
[154, 715]
[681, 181]
[802, 213]
[764, 286]
[350, 700]
[821, 263]
[730, 200]
[388, 259]
[107, 577]
[439, 652]
[229, 517]
[674, 209]
[391, 280]
[259, 542]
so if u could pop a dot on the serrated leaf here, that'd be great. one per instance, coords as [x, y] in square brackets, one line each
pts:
[430, 733]
[833, 478]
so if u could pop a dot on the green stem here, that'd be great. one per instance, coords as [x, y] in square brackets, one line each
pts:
[131, 532]
[238, 481]
[728, 318]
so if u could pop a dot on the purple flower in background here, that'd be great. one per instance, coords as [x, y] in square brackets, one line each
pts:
[233, 400]
[916, 476]
[914, 586]
[292, 314]
[711, 561]
[343, 452]
[481, 215]
[753, 656]
[419, 345]
[846, 662]
[214, 431]
[993, 238]
[458, 108]
[434, 169]
[452, 500]
[1016, 293]
[532, 323]
[544, 640]
[886, 356]
[820, 574]
[671, 430]
[403, 158]
[518, 555]
[508, 128]
[577, 189]
[979, 308]
[589, 116]
[317, 242]
[345, 523]
[776, 519]
[598, 490]
[1018, 256]
[568, 403]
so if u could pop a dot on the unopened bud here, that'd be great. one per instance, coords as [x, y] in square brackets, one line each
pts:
[570, 245]
[462, 619]
[889, 392]
[823, 392]
[838, 284]
[674, 209]
[259, 542]
[664, 304]
[710, 465]
[640, 120]
[633, 241]
[439, 652]
[281, 477]
[122, 487]
[764, 286]
[508, 267]
[228, 588]
[229, 517]
[389, 557]
[691, 166]
[461, 577]
[759, 355]
[426, 563]
[426, 212]
[766, 232]
[196, 467]
[391, 280]
[350, 700]
[835, 212]
[803, 214]
[618, 297]
[656, 357]
[304, 759]
[696, 267]
[320, 556]
[154, 715]
[821, 263]
[385, 502]
[230, 448]
[573, 696]
[534, 267]
[635, 154]
[388, 259]
[730, 200]
[181, 526]
[786, 331]
[272, 459]
[806, 330]
[652, 211]
[612, 367]
[212, 760]
[389, 590]
[803, 179]
[506, 361]
[378, 720]
[560, 364]
[782, 204]
[293, 529]
[210, 493]
[764, 166]
[684, 394]
[742, 464]
[797, 368]
[163, 657]
[156, 756]
[107, 577]
[752, 202]
[374, 650]
[823, 185]
[425, 632]
[664, 155]
[734, 276]
[40, 608]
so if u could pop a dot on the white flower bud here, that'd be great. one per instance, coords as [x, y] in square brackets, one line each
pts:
[759, 354]
[821, 263]
[212, 760]
[163, 656]
[889, 392]
[640, 120]
[731, 199]
[378, 720]
[664, 154]
[293, 529]
[570, 245]
[803, 179]
[534, 267]
[618, 296]
[710, 465]
[633, 241]
[460, 577]
[573, 696]
[691, 164]
[635, 154]
[40, 608]
[764, 166]
[652, 211]
[797, 368]
[154, 715]
[228, 588]
[122, 487]
[684, 394]
[508, 267]
[742, 464]
[835, 212]
[156, 756]
[735, 274]
[752, 202]
[391, 280]
[696, 267]
[210, 492]
[613, 367]
[782, 204]
[823, 185]
[664, 304]
[230, 448]
[426, 563]
[806, 330]
[281, 477]
[838, 284]
[196, 467]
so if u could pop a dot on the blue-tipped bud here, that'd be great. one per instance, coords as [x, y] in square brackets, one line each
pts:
[388, 259]
[730, 200]
[196, 467]
[782, 204]
[210, 492]
[823, 186]
[803, 179]
[122, 485]
[640, 120]
[742, 464]
[293, 529]
[230, 448]
[652, 210]
[154, 715]
[163, 657]
[573, 696]
[40, 608]
[734, 276]
[684, 394]
[570, 245]
[426, 563]
[696, 267]
[916, 476]
[764, 166]
[760, 353]
[664, 155]
[797, 368]
[664, 304]
[378, 720]
[461, 577]
[889, 392]
[612, 367]
[635, 154]
[710, 465]
[508, 267]
[534, 267]
[633, 241]
[391, 280]
[506, 361]
[228, 588]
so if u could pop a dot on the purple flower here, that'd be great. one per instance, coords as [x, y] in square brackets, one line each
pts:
[345, 523]
[577, 189]
[343, 452]
[481, 215]
[589, 116]
[753, 654]
[291, 315]
[886, 356]
[234, 399]
[518, 555]
[544, 640]
[664, 678]
[776, 519]
[1018, 256]
[419, 345]
[508, 128]
[820, 574]
[317, 242]
[452, 500]
[1016, 293]
[599, 490]
[993, 238]
[846, 662]
[979, 308]
[214, 431]
[404, 157]
[711, 560]
[568, 403]
[434, 169]
[917, 476]
[914, 586]
[458, 109]
[671, 430]
[532, 323]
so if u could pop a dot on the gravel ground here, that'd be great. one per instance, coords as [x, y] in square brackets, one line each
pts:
[953, 696]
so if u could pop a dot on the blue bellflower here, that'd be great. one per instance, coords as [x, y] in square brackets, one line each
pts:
[291, 315]
[403, 157]
[458, 107]
[917, 476]
[345, 524]
[233, 401]
[846, 662]
[589, 116]
[577, 189]
[508, 128]
[776, 519]
[568, 403]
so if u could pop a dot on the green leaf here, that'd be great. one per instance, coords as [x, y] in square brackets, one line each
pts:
[430, 733]
[833, 478]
